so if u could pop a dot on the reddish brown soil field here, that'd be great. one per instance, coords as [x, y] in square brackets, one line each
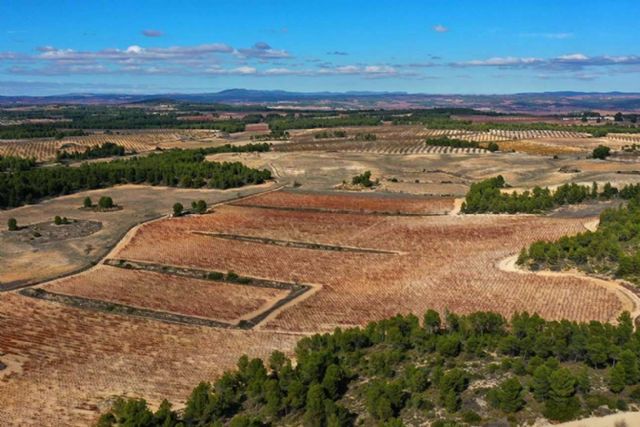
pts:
[444, 263]
[65, 364]
[156, 291]
[352, 202]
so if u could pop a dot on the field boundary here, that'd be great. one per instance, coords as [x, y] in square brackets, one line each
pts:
[295, 244]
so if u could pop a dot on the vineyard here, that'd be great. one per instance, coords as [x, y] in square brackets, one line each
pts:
[65, 364]
[365, 203]
[535, 134]
[444, 262]
[45, 149]
[405, 139]
[188, 296]
[420, 262]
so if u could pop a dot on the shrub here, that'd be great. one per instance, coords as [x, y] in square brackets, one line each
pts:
[12, 224]
[87, 203]
[105, 202]
[199, 207]
[363, 179]
[601, 152]
[215, 275]
[177, 209]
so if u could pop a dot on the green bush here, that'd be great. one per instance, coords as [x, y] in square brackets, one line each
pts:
[601, 152]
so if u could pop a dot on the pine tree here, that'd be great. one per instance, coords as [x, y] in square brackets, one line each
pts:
[629, 362]
[510, 395]
[617, 378]
[561, 404]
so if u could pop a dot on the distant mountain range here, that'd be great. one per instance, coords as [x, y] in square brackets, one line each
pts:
[537, 103]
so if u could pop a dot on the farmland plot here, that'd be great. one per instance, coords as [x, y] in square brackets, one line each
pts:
[192, 297]
[66, 365]
[368, 203]
[442, 262]
[45, 149]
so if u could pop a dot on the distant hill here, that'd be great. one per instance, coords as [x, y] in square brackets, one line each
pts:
[540, 103]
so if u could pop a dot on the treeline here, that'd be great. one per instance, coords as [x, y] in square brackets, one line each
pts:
[280, 123]
[328, 134]
[108, 149]
[403, 369]
[183, 168]
[228, 148]
[36, 131]
[612, 249]
[486, 197]
[16, 164]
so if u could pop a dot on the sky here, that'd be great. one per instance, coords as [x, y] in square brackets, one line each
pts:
[430, 46]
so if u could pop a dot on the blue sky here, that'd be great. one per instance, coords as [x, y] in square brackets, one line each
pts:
[436, 46]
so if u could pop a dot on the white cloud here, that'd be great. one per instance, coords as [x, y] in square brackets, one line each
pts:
[440, 28]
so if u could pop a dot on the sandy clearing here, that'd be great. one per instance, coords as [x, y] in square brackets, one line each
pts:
[623, 419]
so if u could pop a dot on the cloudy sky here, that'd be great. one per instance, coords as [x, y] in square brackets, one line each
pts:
[429, 46]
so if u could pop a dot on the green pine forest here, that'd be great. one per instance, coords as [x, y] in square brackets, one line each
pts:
[452, 371]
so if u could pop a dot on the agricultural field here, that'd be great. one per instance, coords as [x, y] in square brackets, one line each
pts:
[379, 203]
[421, 255]
[170, 293]
[380, 265]
[70, 251]
[44, 149]
[137, 302]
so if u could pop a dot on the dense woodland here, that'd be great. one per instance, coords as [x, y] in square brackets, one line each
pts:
[183, 168]
[15, 164]
[487, 197]
[456, 371]
[612, 249]
[36, 131]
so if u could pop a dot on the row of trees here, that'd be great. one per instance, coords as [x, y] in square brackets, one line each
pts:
[451, 142]
[325, 134]
[406, 367]
[487, 196]
[280, 123]
[199, 207]
[611, 249]
[183, 168]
